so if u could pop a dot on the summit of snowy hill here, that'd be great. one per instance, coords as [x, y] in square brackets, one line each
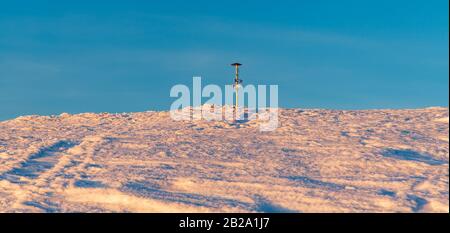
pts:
[314, 161]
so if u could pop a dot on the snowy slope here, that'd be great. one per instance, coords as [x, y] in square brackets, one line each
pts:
[316, 161]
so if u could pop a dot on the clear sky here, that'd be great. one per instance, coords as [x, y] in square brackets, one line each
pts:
[120, 56]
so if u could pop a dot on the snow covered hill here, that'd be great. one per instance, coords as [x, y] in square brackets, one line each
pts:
[315, 161]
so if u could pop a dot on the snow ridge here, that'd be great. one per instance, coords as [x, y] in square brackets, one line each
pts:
[315, 161]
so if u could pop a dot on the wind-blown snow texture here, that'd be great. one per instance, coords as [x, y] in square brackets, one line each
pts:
[316, 161]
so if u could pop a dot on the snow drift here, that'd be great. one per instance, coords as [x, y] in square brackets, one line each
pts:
[315, 161]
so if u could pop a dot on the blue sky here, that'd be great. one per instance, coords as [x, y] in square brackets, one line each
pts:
[120, 56]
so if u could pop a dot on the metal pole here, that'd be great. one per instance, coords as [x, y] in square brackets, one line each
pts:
[236, 81]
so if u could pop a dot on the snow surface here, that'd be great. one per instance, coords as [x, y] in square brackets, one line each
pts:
[316, 161]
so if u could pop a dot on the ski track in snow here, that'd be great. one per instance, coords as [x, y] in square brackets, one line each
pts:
[316, 161]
